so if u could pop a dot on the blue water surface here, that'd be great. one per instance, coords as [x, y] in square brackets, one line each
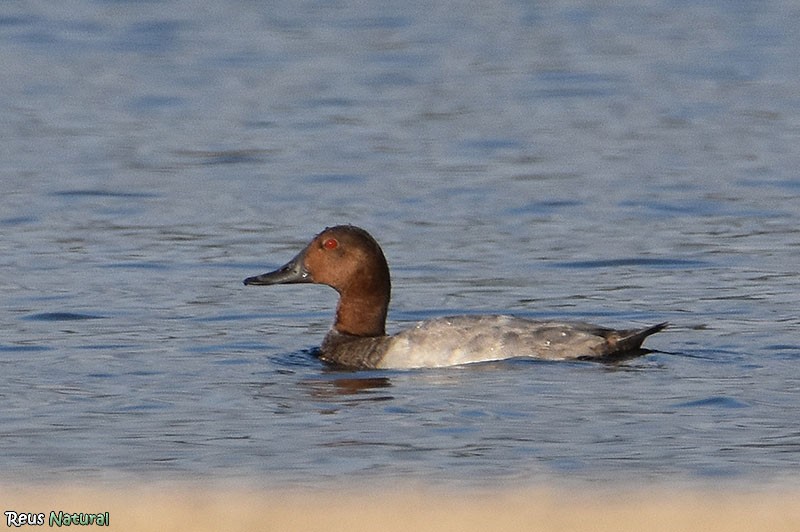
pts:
[623, 163]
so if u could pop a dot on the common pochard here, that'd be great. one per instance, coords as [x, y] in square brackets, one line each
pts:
[349, 260]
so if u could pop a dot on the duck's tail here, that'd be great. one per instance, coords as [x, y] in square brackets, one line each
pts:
[632, 339]
[626, 344]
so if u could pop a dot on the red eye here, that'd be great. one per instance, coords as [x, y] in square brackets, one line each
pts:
[330, 243]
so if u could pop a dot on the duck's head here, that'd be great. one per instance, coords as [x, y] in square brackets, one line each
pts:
[349, 260]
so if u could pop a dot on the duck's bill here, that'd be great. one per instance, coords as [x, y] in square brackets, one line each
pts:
[291, 272]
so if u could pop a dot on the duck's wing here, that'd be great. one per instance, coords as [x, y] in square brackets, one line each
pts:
[457, 340]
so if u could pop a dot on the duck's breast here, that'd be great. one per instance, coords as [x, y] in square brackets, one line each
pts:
[457, 340]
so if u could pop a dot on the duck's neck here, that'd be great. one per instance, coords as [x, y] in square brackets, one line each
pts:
[362, 314]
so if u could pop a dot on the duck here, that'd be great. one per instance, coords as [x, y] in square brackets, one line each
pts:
[349, 260]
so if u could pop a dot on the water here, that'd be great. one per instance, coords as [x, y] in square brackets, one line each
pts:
[624, 164]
